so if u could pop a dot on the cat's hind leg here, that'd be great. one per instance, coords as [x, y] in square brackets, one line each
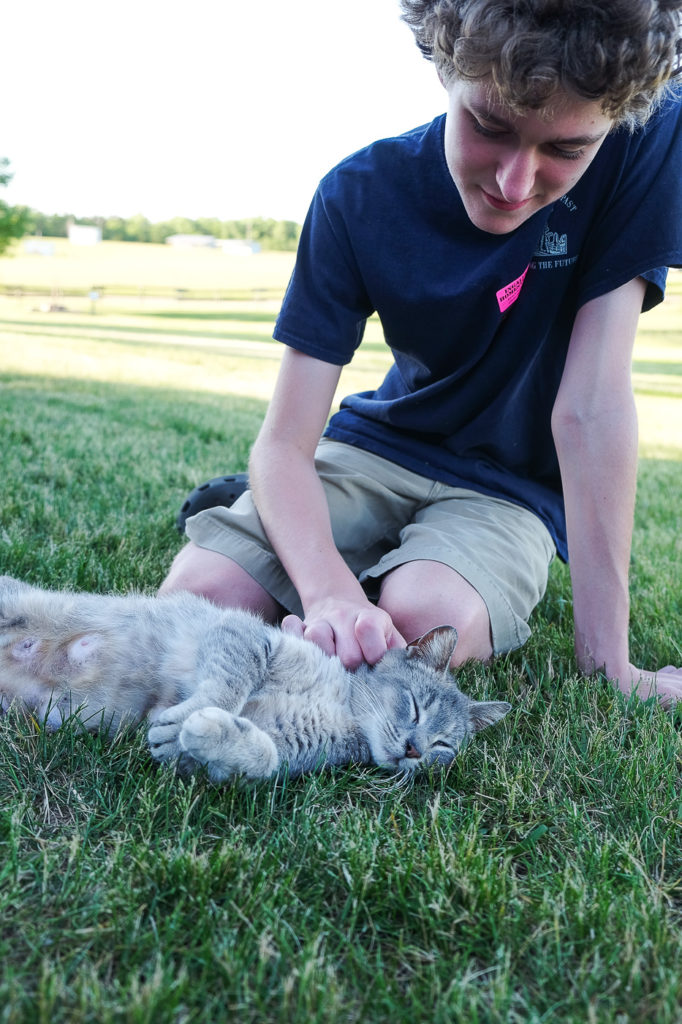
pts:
[228, 745]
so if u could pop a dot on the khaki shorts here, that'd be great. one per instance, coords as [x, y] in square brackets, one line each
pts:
[384, 516]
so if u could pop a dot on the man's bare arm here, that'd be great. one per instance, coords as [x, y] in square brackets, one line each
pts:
[595, 430]
[293, 508]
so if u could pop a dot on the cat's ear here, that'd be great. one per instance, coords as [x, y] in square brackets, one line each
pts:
[486, 712]
[435, 648]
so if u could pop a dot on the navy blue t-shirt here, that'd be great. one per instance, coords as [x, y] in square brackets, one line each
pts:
[478, 324]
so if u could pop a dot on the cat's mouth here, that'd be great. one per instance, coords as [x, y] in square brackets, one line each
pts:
[409, 761]
[406, 761]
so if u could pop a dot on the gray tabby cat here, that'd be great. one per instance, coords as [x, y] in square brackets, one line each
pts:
[221, 688]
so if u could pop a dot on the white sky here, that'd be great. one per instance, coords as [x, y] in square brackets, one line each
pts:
[225, 108]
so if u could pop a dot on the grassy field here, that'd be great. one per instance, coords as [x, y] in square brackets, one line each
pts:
[144, 270]
[540, 879]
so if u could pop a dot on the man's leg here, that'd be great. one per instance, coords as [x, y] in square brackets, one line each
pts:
[217, 577]
[420, 595]
[468, 560]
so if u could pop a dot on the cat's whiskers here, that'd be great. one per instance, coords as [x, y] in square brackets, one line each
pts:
[404, 779]
[367, 702]
[368, 699]
[397, 781]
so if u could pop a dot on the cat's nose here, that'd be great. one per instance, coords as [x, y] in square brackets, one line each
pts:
[411, 751]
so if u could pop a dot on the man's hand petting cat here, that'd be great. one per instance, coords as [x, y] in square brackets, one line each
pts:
[355, 633]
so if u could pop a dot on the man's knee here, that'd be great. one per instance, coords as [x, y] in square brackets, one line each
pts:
[473, 629]
[420, 599]
[218, 578]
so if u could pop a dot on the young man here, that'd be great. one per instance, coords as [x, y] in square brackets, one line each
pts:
[508, 248]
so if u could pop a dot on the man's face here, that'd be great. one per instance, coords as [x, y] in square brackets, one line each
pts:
[507, 166]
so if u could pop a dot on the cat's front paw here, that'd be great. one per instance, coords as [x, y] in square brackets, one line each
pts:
[164, 730]
[163, 741]
[228, 745]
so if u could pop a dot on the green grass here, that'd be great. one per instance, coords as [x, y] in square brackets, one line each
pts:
[540, 879]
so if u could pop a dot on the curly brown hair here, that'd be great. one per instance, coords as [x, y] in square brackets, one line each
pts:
[625, 53]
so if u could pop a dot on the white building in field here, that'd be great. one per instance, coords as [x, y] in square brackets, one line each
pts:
[191, 241]
[38, 247]
[84, 234]
[240, 246]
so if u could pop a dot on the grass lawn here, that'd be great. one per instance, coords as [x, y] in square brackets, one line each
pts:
[142, 270]
[539, 879]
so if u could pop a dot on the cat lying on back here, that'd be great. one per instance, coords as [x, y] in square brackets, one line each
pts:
[221, 688]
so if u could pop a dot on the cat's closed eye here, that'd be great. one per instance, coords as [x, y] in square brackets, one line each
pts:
[415, 709]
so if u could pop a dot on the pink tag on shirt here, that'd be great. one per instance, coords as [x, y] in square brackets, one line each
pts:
[508, 295]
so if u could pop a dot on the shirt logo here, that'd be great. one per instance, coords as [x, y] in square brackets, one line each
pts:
[552, 244]
[508, 295]
[552, 251]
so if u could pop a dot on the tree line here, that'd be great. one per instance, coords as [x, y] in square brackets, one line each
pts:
[269, 233]
[17, 221]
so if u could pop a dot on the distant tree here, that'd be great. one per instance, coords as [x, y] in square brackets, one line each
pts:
[138, 229]
[182, 226]
[51, 225]
[114, 229]
[260, 230]
[284, 235]
[14, 220]
[235, 228]
[211, 226]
